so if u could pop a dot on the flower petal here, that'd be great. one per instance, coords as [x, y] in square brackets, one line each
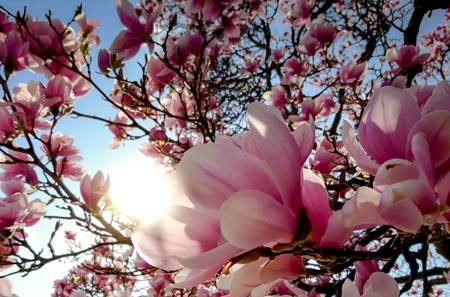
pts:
[356, 151]
[219, 255]
[127, 15]
[362, 209]
[390, 115]
[439, 99]
[210, 173]
[304, 137]
[278, 149]
[160, 242]
[381, 284]
[283, 266]
[349, 289]
[251, 218]
[315, 200]
[436, 127]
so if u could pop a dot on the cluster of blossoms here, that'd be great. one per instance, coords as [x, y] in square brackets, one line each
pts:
[304, 163]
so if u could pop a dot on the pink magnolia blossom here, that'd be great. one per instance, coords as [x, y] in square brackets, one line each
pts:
[309, 44]
[88, 27]
[60, 145]
[61, 148]
[352, 73]
[150, 150]
[128, 42]
[407, 56]
[30, 106]
[323, 32]
[16, 210]
[43, 37]
[58, 91]
[11, 187]
[160, 281]
[119, 129]
[14, 51]
[104, 60]
[379, 284]
[188, 44]
[277, 55]
[210, 9]
[6, 124]
[70, 167]
[92, 190]
[301, 11]
[18, 168]
[422, 93]
[391, 121]
[402, 197]
[294, 69]
[232, 32]
[62, 66]
[319, 35]
[276, 96]
[251, 65]
[159, 75]
[364, 269]
[327, 102]
[179, 107]
[261, 276]
[325, 159]
[70, 235]
[310, 108]
[244, 178]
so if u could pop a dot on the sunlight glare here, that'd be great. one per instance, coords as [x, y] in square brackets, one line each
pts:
[140, 187]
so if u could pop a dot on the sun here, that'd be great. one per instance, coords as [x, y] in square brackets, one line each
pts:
[140, 187]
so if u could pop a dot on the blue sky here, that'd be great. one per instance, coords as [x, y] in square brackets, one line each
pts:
[91, 137]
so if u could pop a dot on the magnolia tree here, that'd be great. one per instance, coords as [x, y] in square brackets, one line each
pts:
[306, 146]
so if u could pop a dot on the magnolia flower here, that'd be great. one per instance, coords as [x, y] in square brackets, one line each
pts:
[44, 38]
[18, 170]
[58, 91]
[309, 44]
[14, 51]
[188, 44]
[259, 277]
[325, 159]
[88, 27]
[6, 124]
[276, 96]
[128, 42]
[407, 56]
[301, 11]
[119, 129]
[253, 189]
[311, 108]
[159, 75]
[352, 73]
[391, 121]
[29, 102]
[402, 197]
[412, 145]
[16, 210]
[104, 60]
[92, 190]
[379, 284]
[210, 9]
[294, 69]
